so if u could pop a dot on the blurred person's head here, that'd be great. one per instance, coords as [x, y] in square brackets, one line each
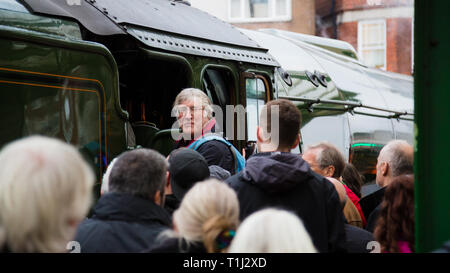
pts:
[193, 111]
[186, 167]
[352, 179]
[45, 191]
[141, 173]
[340, 189]
[279, 128]
[272, 231]
[209, 213]
[105, 180]
[396, 219]
[395, 159]
[325, 159]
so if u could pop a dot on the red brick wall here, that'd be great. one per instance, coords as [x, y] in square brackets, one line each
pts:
[398, 47]
[303, 19]
[323, 7]
[349, 32]
[398, 30]
[342, 5]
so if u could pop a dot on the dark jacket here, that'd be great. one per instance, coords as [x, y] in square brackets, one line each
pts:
[176, 245]
[357, 239]
[370, 202]
[122, 223]
[215, 152]
[284, 180]
[373, 219]
[171, 204]
[218, 153]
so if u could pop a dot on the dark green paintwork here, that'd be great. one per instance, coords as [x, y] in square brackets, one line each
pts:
[31, 64]
[432, 124]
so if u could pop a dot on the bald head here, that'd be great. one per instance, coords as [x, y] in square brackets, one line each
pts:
[395, 159]
[340, 190]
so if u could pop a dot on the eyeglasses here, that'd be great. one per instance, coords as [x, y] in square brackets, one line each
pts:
[186, 110]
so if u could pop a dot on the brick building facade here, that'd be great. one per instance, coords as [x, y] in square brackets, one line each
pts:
[291, 15]
[380, 30]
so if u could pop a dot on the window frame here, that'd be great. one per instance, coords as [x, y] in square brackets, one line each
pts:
[271, 18]
[360, 39]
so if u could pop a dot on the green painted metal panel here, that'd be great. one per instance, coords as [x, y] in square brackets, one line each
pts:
[61, 88]
[432, 124]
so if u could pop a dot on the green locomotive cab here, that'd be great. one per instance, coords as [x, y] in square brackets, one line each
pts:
[103, 75]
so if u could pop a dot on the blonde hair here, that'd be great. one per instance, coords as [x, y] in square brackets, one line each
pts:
[45, 190]
[194, 94]
[272, 231]
[208, 209]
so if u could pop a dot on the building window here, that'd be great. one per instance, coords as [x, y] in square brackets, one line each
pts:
[241, 11]
[372, 43]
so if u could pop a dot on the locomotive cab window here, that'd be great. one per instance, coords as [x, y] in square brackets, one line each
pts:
[148, 87]
[218, 85]
[257, 96]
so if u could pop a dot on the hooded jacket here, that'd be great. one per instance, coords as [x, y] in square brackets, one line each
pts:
[285, 181]
[122, 223]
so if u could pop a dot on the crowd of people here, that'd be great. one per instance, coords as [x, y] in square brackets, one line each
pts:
[204, 198]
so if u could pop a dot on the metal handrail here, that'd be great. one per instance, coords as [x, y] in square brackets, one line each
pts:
[349, 106]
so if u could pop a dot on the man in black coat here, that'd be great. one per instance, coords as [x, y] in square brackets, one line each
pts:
[130, 216]
[395, 159]
[277, 178]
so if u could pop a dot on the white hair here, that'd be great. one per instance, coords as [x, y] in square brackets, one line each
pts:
[45, 191]
[207, 209]
[194, 94]
[272, 231]
[105, 180]
[399, 154]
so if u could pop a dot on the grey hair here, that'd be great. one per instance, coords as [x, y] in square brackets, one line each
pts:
[400, 161]
[329, 155]
[190, 94]
[141, 172]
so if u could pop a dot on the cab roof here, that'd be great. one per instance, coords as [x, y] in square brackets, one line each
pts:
[164, 24]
